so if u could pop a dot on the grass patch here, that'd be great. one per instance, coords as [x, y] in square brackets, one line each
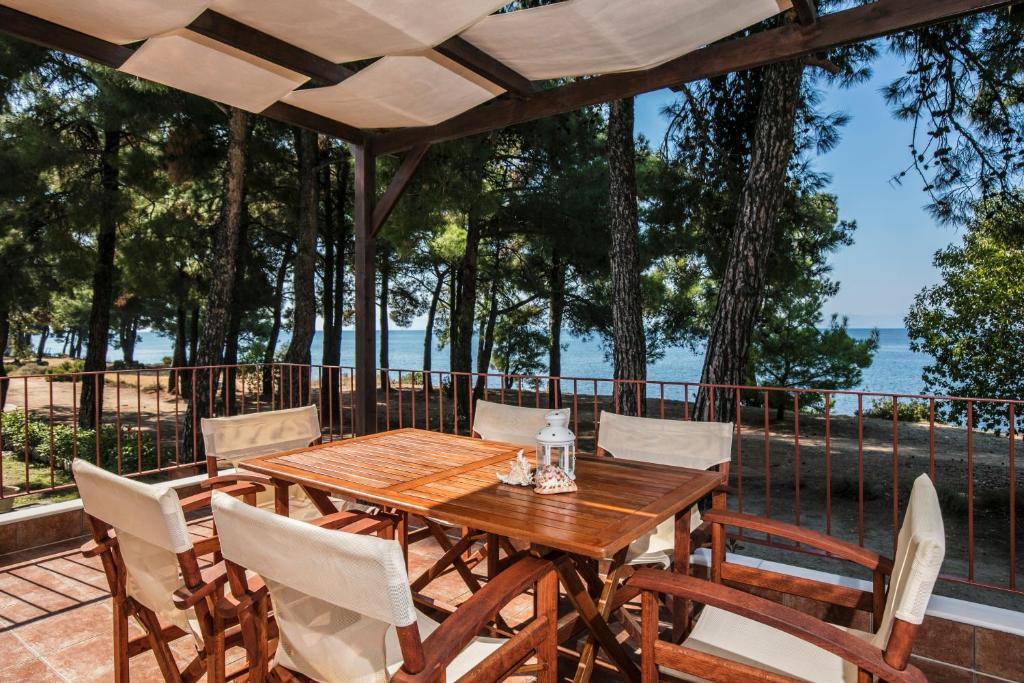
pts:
[38, 478]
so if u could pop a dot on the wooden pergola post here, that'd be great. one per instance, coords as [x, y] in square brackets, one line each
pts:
[365, 396]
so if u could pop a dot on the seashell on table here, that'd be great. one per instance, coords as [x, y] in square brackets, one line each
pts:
[552, 479]
[520, 473]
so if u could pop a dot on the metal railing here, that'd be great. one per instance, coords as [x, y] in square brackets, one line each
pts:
[841, 462]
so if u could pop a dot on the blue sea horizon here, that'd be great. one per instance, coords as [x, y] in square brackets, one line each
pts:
[895, 369]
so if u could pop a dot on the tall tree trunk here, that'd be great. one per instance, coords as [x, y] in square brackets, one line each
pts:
[336, 244]
[295, 381]
[5, 331]
[428, 333]
[741, 292]
[80, 337]
[385, 293]
[68, 339]
[44, 334]
[91, 397]
[222, 284]
[235, 317]
[629, 345]
[463, 315]
[556, 313]
[485, 345]
[275, 324]
[176, 381]
[128, 335]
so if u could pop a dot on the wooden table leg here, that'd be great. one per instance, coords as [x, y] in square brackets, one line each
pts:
[681, 565]
[595, 618]
[281, 497]
[321, 500]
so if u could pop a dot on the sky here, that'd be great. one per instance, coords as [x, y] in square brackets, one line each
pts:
[891, 258]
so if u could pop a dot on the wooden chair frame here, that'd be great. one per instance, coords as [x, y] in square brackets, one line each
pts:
[217, 633]
[890, 664]
[425, 661]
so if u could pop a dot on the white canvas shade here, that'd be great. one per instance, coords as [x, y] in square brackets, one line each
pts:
[117, 21]
[349, 30]
[202, 66]
[410, 85]
[584, 37]
[415, 90]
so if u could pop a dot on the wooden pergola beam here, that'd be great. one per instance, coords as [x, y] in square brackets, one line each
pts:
[56, 37]
[806, 12]
[463, 52]
[286, 113]
[780, 44]
[265, 46]
[365, 395]
[400, 181]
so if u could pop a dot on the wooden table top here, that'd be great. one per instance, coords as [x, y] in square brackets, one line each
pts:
[453, 478]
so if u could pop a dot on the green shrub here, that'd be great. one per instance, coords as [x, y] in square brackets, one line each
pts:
[63, 372]
[124, 365]
[914, 410]
[14, 432]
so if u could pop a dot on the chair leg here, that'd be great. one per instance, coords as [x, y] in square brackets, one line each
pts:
[157, 643]
[215, 654]
[546, 607]
[120, 642]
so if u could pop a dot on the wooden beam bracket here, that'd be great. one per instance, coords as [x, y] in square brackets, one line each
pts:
[407, 169]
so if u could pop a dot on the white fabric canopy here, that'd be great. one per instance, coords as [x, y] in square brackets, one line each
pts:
[585, 37]
[347, 30]
[196, 64]
[411, 84]
[114, 20]
[399, 91]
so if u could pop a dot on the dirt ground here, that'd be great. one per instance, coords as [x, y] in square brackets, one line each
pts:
[815, 475]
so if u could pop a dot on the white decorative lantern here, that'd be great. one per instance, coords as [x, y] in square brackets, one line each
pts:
[556, 444]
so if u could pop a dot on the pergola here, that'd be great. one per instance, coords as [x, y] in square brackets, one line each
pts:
[396, 76]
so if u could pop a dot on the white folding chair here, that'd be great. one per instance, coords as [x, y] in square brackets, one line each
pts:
[511, 424]
[697, 445]
[232, 440]
[345, 612]
[139, 533]
[792, 645]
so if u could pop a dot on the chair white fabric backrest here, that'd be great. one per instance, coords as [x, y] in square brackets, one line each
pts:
[698, 445]
[242, 437]
[920, 550]
[335, 594]
[511, 424]
[150, 529]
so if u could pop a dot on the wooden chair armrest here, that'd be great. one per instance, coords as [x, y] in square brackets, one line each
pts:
[829, 544]
[786, 619]
[356, 522]
[202, 499]
[213, 579]
[459, 629]
[95, 549]
[237, 477]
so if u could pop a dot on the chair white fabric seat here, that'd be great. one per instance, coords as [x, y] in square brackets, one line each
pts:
[477, 651]
[743, 640]
[680, 443]
[920, 549]
[511, 424]
[657, 548]
[233, 440]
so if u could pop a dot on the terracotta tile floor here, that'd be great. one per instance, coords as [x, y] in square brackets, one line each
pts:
[55, 616]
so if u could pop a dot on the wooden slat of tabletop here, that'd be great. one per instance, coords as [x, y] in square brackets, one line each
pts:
[454, 478]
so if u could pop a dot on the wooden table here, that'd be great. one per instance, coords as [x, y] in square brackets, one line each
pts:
[452, 478]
